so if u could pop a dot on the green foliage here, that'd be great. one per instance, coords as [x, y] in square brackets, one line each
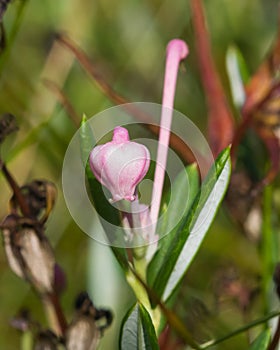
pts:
[138, 331]
[262, 341]
[189, 179]
[193, 229]
[126, 41]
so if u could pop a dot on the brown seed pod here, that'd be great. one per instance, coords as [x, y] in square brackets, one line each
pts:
[40, 196]
[29, 253]
[82, 334]
[46, 340]
[88, 324]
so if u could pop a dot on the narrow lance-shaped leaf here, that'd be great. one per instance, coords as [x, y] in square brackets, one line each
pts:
[137, 331]
[179, 198]
[87, 142]
[262, 341]
[238, 75]
[191, 233]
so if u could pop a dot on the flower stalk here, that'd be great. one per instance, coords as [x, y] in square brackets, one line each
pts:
[177, 50]
[120, 165]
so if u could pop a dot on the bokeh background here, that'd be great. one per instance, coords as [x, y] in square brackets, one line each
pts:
[126, 41]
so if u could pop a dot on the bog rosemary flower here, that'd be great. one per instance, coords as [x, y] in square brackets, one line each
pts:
[120, 165]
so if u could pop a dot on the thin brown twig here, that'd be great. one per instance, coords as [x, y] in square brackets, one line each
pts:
[65, 102]
[15, 188]
[175, 142]
[91, 70]
[220, 118]
[55, 313]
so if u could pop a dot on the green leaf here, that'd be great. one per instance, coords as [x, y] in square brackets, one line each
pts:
[137, 330]
[238, 74]
[193, 229]
[184, 190]
[262, 341]
[243, 69]
[103, 208]
[87, 139]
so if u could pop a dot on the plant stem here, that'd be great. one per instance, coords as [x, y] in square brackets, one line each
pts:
[54, 313]
[268, 246]
[27, 340]
[240, 330]
[16, 189]
[220, 119]
[177, 50]
[173, 320]
[140, 266]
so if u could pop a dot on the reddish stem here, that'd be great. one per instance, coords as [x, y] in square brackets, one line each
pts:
[220, 120]
[175, 141]
[61, 320]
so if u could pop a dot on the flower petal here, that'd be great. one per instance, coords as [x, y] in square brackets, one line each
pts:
[120, 165]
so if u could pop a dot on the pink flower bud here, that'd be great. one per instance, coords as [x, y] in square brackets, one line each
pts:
[120, 165]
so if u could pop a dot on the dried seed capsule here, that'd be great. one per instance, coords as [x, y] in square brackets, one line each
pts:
[82, 334]
[29, 253]
[87, 326]
[40, 196]
[46, 340]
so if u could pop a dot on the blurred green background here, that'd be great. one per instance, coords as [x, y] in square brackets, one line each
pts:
[126, 40]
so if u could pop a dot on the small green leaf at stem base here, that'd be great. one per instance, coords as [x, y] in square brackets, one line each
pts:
[137, 330]
[262, 341]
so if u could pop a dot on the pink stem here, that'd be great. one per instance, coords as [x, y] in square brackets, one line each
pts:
[177, 50]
